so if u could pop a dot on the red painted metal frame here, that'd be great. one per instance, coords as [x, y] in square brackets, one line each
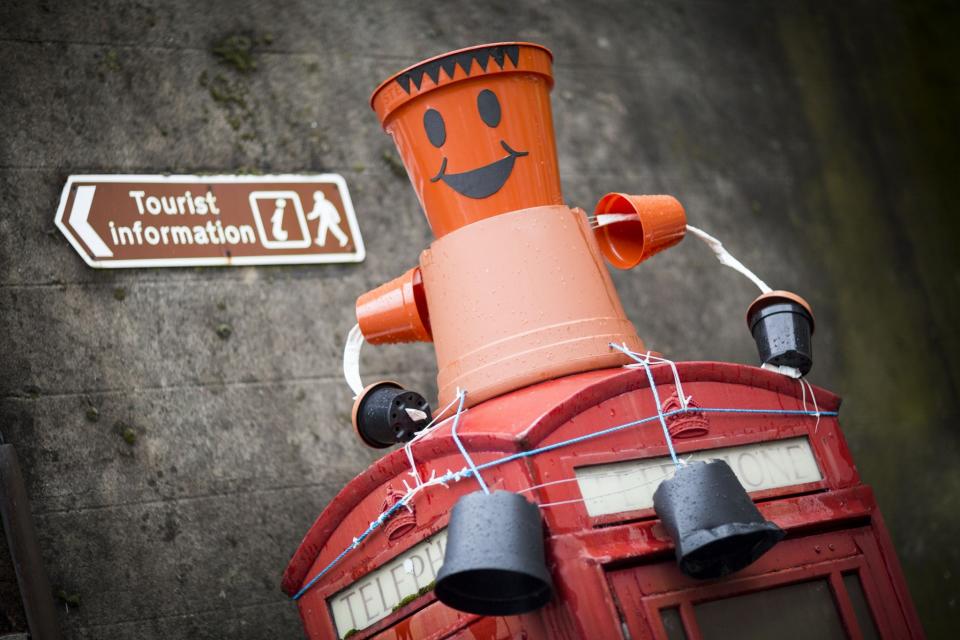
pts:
[583, 551]
[826, 556]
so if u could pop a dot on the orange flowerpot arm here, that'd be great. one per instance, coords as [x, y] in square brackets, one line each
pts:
[630, 228]
[395, 311]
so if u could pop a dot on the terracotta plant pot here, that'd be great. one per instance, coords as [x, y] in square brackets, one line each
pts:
[494, 561]
[782, 326]
[713, 523]
[633, 228]
[475, 131]
[381, 418]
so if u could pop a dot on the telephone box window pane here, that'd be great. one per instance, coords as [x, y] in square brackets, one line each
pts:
[793, 612]
[672, 623]
[860, 607]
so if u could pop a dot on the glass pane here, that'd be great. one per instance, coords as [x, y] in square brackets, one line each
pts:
[672, 623]
[792, 612]
[860, 607]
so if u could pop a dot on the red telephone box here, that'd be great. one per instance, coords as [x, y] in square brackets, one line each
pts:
[835, 575]
[523, 314]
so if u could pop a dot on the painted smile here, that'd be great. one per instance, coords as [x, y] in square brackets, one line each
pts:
[484, 181]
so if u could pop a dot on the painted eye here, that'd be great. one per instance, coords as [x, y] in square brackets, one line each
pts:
[489, 107]
[433, 125]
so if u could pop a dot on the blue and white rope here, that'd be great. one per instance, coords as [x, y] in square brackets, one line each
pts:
[456, 439]
[474, 469]
[656, 400]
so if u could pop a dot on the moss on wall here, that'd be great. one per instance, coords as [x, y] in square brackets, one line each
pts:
[892, 256]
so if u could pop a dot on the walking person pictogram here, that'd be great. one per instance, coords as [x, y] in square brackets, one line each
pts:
[329, 220]
[277, 220]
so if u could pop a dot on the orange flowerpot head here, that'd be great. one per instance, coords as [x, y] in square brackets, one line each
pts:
[475, 131]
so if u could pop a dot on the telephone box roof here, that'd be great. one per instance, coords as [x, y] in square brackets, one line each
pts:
[520, 421]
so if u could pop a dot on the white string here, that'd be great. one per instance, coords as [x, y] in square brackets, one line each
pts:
[351, 360]
[603, 219]
[432, 481]
[803, 394]
[462, 396]
[656, 396]
[408, 447]
[684, 399]
[726, 258]
[544, 505]
[783, 370]
[813, 397]
[565, 480]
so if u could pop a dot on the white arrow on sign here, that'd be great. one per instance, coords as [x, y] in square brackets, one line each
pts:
[78, 220]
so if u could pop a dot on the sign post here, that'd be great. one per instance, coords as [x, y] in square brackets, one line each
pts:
[122, 221]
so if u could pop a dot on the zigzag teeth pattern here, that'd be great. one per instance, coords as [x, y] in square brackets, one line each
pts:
[448, 64]
[483, 57]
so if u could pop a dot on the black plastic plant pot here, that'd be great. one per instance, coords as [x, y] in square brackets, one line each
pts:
[494, 563]
[782, 327]
[381, 416]
[713, 523]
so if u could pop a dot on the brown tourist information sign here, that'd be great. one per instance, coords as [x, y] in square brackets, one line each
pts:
[118, 221]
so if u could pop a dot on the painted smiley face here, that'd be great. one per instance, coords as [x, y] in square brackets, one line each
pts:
[483, 181]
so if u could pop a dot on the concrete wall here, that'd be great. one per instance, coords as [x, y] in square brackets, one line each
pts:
[818, 141]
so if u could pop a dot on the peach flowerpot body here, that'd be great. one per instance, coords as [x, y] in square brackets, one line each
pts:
[520, 298]
[475, 132]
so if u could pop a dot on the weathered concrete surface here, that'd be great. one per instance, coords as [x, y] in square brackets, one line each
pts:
[819, 142]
